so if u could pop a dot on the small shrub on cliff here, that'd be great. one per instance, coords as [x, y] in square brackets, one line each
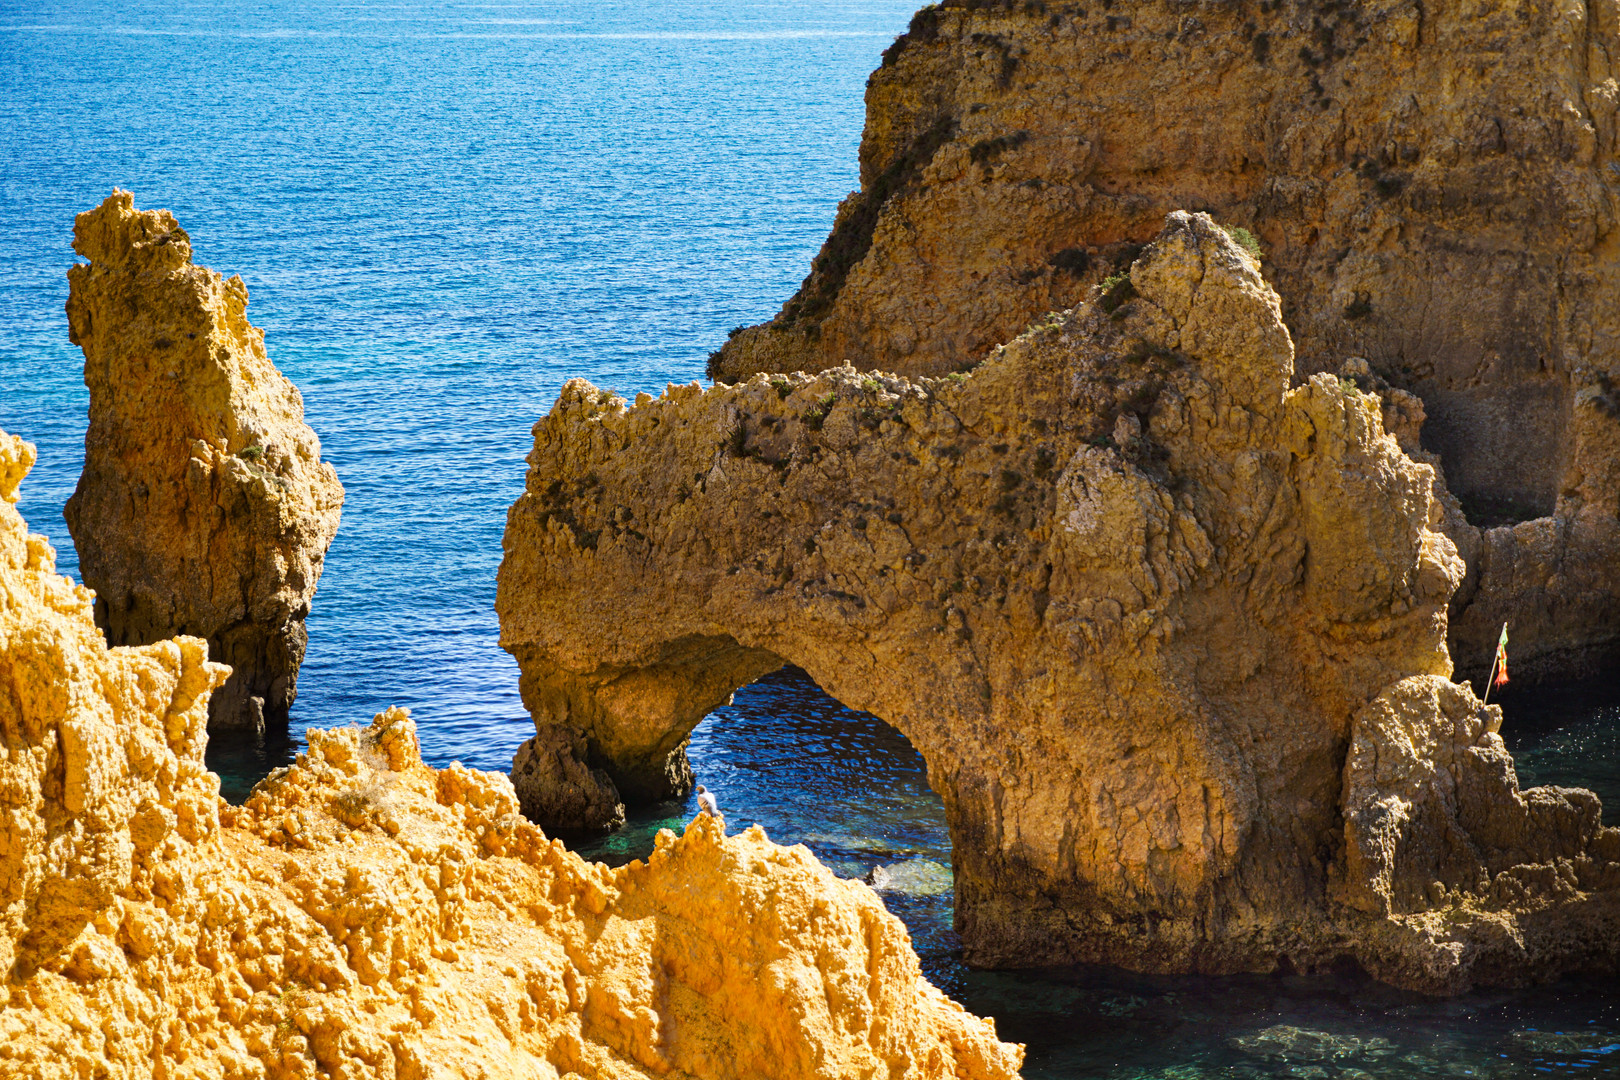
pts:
[251, 453]
[871, 385]
[1117, 290]
[1244, 239]
[817, 416]
[1050, 321]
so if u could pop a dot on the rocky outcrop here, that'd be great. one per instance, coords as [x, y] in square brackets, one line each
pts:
[1440, 842]
[364, 916]
[204, 508]
[1149, 613]
[1434, 188]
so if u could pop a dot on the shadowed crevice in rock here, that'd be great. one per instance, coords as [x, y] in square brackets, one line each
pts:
[1432, 188]
[1129, 593]
[204, 508]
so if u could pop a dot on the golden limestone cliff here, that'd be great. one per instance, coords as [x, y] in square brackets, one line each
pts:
[1169, 632]
[365, 917]
[1434, 186]
[204, 508]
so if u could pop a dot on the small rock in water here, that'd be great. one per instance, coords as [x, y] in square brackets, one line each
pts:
[914, 877]
[1285, 1042]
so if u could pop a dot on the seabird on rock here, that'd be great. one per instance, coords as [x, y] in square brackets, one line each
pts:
[708, 805]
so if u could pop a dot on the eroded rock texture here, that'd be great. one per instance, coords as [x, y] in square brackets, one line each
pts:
[1148, 612]
[369, 918]
[204, 508]
[1434, 186]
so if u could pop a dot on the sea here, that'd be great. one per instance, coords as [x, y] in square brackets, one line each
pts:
[442, 212]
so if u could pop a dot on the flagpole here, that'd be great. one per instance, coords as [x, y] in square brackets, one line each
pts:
[1496, 661]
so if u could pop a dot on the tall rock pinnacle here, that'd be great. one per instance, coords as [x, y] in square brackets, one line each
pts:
[204, 507]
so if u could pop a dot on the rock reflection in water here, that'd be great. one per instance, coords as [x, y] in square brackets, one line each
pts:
[854, 791]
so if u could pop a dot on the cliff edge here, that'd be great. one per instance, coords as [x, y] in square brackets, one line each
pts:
[204, 508]
[1433, 188]
[364, 916]
[1169, 632]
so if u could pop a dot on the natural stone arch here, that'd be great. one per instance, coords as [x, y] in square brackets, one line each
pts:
[1132, 596]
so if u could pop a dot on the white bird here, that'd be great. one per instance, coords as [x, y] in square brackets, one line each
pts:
[708, 804]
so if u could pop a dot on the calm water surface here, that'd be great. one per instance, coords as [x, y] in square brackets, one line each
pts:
[443, 211]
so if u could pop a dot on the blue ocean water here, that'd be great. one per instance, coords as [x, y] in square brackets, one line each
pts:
[444, 210]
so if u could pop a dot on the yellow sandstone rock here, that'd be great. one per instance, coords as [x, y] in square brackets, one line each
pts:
[204, 507]
[1434, 186]
[365, 916]
[1132, 594]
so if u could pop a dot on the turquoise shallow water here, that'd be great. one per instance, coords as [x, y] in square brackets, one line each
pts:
[442, 211]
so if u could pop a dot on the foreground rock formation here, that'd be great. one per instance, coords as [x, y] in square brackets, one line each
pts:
[1169, 633]
[1434, 188]
[364, 916]
[204, 508]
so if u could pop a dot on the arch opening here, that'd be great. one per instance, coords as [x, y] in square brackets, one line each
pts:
[788, 756]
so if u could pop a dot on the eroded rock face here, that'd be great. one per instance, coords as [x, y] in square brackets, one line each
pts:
[1131, 595]
[204, 508]
[1434, 187]
[367, 917]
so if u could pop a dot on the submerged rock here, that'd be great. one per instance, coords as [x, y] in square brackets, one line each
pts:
[204, 508]
[913, 877]
[1433, 187]
[364, 916]
[1288, 1043]
[1147, 610]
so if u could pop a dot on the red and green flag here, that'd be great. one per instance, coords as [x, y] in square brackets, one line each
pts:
[1501, 658]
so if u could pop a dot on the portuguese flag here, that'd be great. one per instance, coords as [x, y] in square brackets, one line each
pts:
[1501, 659]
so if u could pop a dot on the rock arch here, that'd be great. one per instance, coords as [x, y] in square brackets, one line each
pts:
[1132, 596]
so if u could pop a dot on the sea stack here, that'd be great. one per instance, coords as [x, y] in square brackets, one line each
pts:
[204, 508]
[1168, 629]
[1433, 188]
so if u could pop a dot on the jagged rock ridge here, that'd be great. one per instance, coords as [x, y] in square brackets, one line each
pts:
[1435, 188]
[366, 917]
[1148, 612]
[204, 508]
